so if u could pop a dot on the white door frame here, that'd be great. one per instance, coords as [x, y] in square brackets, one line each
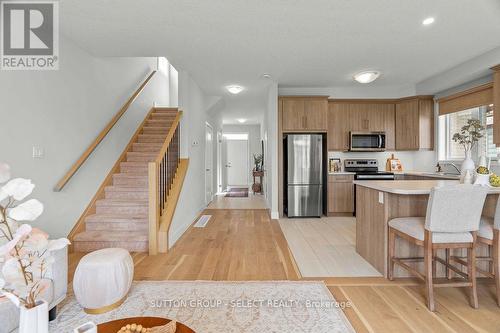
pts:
[219, 162]
[248, 155]
[208, 126]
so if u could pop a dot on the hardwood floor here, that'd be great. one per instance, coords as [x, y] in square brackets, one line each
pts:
[253, 201]
[235, 245]
[389, 307]
[247, 245]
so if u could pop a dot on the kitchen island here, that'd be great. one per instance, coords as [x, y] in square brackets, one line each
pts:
[377, 202]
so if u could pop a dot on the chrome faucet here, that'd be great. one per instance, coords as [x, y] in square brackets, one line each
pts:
[449, 163]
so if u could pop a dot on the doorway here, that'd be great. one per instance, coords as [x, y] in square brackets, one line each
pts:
[208, 163]
[237, 162]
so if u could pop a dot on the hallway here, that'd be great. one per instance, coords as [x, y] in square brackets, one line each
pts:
[253, 201]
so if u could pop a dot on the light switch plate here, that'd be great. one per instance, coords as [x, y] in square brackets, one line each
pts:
[38, 152]
[381, 198]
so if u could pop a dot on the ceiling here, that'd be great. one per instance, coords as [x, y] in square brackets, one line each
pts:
[314, 43]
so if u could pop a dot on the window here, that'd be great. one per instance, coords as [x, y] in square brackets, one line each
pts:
[235, 136]
[451, 123]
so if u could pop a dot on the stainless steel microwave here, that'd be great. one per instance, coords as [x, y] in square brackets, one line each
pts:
[366, 141]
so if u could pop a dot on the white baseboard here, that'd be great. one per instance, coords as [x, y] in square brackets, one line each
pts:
[177, 234]
[275, 215]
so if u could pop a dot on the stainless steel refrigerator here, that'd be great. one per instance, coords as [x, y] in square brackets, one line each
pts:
[304, 153]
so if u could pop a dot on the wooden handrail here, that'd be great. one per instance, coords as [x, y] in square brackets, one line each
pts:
[74, 168]
[169, 137]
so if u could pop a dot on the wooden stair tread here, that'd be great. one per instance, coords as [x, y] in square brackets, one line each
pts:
[121, 202]
[116, 218]
[124, 188]
[111, 236]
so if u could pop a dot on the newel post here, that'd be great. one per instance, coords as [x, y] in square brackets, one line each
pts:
[154, 211]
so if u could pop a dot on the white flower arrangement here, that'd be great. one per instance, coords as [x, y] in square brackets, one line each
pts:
[25, 252]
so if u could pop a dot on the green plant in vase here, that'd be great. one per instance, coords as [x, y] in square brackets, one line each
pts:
[468, 137]
[257, 160]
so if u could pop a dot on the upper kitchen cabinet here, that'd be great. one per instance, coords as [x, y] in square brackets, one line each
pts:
[415, 123]
[338, 126]
[496, 104]
[308, 113]
[346, 116]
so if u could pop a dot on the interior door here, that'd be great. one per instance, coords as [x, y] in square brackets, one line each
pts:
[209, 142]
[237, 163]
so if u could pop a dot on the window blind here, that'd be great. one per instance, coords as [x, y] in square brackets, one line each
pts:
[471, 98]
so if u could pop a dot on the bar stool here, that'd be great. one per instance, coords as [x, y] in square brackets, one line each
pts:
[451, 222]
[489, 235]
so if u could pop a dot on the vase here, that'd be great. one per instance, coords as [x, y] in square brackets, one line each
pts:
[34, 320]
[483, 180]
[467, 164]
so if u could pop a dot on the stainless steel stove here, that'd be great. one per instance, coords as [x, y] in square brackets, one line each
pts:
[366, 169]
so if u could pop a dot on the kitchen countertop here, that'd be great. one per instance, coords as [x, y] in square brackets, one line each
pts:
[410, 187]
[409, 173]
[428, 174]
[341, 173]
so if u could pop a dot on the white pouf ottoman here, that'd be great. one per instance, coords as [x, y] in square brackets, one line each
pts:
[103, 279]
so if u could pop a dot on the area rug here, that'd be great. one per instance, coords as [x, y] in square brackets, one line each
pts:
[223, 307]
[237, 192]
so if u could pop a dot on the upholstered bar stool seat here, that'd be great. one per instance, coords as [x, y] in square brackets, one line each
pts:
[103, 279]
[486, 228]
[489, 235]
[415, 227]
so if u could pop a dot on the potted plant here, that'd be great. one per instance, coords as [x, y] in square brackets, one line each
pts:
[257, 160]
[468, 137]
[25, 252]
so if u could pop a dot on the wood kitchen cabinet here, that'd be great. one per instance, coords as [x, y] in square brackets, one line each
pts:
[496, 103]
[338, 126]
[304, 113]
[415, 124]
[340, 194]
[359, 116]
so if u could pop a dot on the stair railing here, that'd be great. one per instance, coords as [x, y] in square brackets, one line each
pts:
[74, 168]
[161, 174]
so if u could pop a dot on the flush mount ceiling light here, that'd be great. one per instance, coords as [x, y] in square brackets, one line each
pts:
[234, 89]
[242, 120]
[366, 77]
[266, 76]
[428, 21]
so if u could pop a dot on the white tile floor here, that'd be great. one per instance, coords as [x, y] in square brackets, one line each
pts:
[326, 247]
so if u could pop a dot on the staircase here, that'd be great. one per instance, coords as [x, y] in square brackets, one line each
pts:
[118, 215]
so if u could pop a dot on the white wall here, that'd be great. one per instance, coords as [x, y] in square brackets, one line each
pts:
[270, 128]
[62, 112]
[195, 104]
[407, 158]
[254, 144]
[359, 91]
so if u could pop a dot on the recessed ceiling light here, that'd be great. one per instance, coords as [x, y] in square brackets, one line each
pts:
[428, 21]
[242, 120]
[367, 77]
[234, 89]
[491, 105]
[266, 76]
